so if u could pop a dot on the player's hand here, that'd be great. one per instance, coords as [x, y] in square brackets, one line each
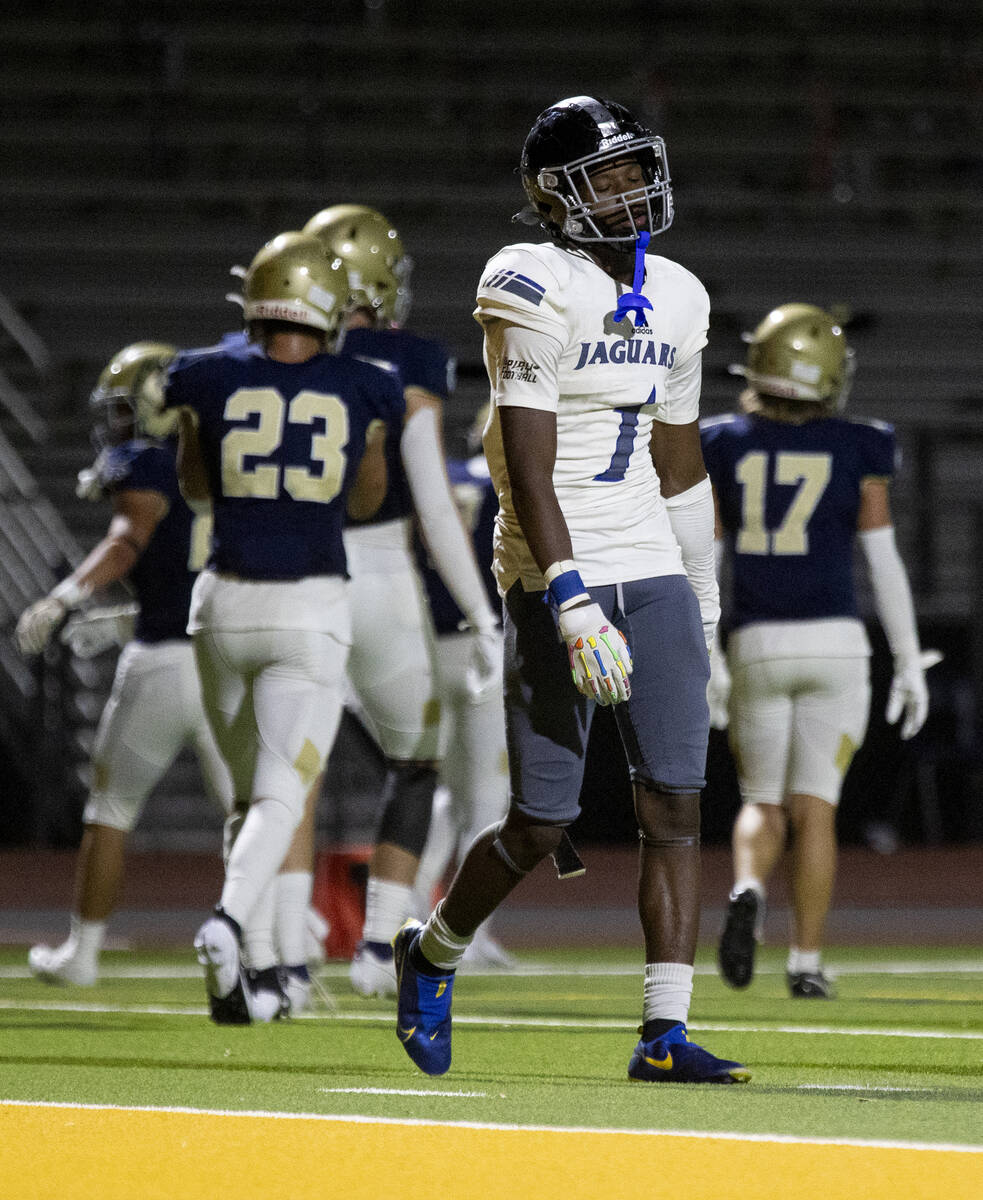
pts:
[600, 659]
[718, 687]
[484, 671]
[38, 623]
[90, 633]
[89, 480]
[909, 693]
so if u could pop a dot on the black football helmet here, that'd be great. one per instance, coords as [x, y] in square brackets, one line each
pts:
[573, 139]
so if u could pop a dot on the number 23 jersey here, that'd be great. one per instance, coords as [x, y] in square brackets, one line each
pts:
[281, 443]
[788, 497]
[607, 384]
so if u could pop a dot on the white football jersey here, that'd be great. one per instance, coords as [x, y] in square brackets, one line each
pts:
[607, 383]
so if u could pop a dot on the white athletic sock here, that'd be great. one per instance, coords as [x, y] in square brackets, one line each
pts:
[387, 905]
[748, 882]
[258, 950]
[668, 991]
[88, 937]
[293, 897]
[440, 944]
[255, 858]
[803, 961]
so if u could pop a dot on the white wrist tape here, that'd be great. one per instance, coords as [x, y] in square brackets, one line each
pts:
[564, 584]
[691, 518]
[440, 522]
[70, 593]
[892, 592]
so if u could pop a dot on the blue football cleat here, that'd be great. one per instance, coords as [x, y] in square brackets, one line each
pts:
[673, 1058]
[423, 1006]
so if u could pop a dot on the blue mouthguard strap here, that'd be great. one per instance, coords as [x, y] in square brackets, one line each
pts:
[634, 301]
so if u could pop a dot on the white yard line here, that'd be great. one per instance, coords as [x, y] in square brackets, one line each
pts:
[385, 1018]
[339, 970]
[377, 1091]
[860, 1087]
[726, 1135]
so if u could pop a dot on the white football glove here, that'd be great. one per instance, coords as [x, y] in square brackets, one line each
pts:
[484, 671]
[599, 655]
[90, 633]
[38, 622]
[718, 686]
[89, 482]
[909, 693]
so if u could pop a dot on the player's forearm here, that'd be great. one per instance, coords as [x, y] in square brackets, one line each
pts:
[691, 517]
[892, 592]
[540, 518]
[448, 543]
[108, 562]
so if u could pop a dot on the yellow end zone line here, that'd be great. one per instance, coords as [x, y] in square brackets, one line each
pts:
[272, 1115]
[53, 1150]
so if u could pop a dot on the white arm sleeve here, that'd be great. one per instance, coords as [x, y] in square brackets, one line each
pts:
[441, 525]
[892, 592]
[691, 517]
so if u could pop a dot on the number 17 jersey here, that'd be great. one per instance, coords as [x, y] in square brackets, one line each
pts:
[281, 444]
[788, 498]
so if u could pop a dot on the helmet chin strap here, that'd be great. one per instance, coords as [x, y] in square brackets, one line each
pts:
[634, 301]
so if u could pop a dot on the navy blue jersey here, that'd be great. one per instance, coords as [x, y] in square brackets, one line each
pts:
[418, 362]
[788, 498]
[163, 574]
[281, 444]
[477, 503]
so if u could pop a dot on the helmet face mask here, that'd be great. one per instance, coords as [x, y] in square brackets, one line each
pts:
[372, 252]
[573, 142]
[293, 279]
[127, 400]
[799, 352]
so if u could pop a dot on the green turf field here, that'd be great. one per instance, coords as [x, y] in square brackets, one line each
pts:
[896, 1060]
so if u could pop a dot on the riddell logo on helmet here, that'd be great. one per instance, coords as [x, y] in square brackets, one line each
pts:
[277, 310]
[613, 141]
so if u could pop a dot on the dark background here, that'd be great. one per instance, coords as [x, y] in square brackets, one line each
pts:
[821, 152]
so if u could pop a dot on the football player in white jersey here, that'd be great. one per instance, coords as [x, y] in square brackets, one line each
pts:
[158, 546]
[604, 555]
[796, 485]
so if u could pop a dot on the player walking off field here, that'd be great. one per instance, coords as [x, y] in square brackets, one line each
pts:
[604, 557]
[796, 484]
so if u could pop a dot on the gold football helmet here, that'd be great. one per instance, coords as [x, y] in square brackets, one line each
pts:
[378, 267]
[129, 395]
[293, 278]
[799, 352]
